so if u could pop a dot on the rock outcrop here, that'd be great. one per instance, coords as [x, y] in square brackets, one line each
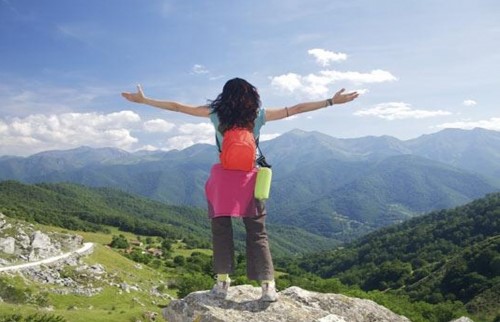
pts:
[22, 242]
[41, 247]
[294, 304]
[8, 245]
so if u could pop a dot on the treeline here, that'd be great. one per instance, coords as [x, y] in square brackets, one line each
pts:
[77, 207]
[47, 317]
[448, 256]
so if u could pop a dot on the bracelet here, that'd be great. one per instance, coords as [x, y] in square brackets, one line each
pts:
[286, 109]
[329, 102]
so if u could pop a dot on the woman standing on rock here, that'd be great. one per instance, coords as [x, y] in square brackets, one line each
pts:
[230, 192]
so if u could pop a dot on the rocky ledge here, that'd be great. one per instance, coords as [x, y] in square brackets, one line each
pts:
[295, 304]
[21, 242]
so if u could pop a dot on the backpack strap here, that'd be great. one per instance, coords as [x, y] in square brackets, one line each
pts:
[261, 160]
[218, 143]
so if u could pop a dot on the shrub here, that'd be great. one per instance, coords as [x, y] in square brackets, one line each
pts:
[193, 282]
[119, 242]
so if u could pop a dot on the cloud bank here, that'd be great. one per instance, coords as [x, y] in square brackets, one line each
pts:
[125, 130]
[469, 102]
[399, 111]
[316, 85]
[489, 124]
[325, 57]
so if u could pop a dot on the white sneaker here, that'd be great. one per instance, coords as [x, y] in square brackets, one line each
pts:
[269, 292]
[220, 288]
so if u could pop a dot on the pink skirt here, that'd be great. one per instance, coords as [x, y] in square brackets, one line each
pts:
[231, 192]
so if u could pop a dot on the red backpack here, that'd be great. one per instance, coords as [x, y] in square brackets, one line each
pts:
[238, 149]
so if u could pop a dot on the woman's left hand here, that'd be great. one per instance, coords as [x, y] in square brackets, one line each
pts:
[341, 98]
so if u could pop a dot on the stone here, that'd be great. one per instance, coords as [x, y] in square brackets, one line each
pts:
[294, 304]
[8, 245]
[23, 239]
[4, 262]
[462, 319]
[40, 240]
[3, 221]
[72, 241]
[150, 316]
[41, 247]
[97, 269]
[125, 287]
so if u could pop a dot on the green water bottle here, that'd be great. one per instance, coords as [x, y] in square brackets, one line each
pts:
[263, 183]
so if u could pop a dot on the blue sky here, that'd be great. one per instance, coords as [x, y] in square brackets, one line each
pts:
[421, 66]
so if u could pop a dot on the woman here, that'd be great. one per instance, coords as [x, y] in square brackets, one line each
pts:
[229, 192]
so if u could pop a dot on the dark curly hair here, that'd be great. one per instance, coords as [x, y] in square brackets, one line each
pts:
[237, 105]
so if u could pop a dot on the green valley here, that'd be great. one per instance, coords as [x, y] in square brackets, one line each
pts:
[449, 257]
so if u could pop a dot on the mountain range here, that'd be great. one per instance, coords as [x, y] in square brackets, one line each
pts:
[335, 188]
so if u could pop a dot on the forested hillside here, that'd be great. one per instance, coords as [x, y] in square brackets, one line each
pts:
[335, 188]
[78, 207]
[431, 268]
[447, 255]
[380, 194]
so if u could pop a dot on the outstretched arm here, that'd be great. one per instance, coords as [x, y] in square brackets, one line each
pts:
[274, 114]
[139, 97]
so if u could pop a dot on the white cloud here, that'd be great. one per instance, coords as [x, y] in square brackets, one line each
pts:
[199, 69]
[289, 82]
[375, 76]
[317, 85]
[361, 91]
[3, 128]
[469, 102]
[398, 111]
[190, 134]
[267, 137]
[38, 132]
[325, 57]
[158, 125]
[290, 118]
[213, 78]
[124, 129]
[197, 129]
[148, 147]
[490, 124]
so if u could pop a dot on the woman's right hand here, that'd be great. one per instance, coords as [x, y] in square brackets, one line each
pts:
[135, 97]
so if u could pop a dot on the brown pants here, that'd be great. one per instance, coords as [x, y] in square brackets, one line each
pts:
[259, 260]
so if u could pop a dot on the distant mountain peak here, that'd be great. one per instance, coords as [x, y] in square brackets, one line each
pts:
[81, 149]
[299, 132]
